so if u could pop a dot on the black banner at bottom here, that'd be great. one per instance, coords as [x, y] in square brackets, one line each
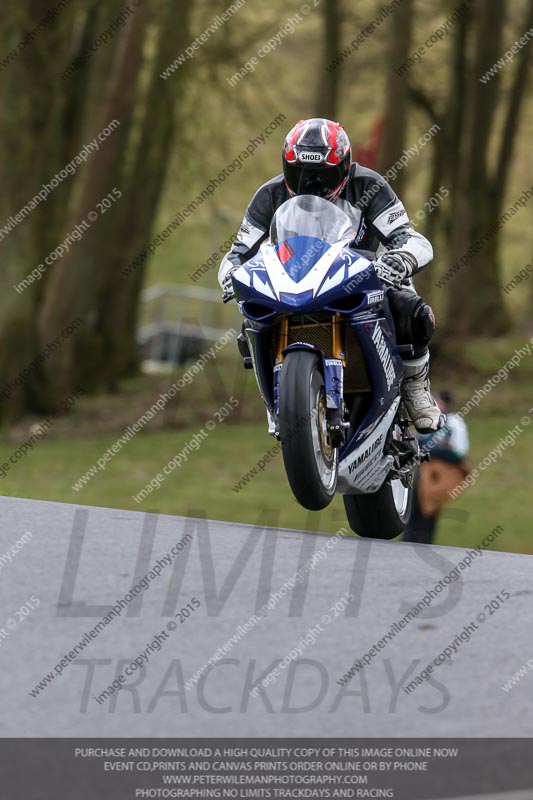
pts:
[127, 769]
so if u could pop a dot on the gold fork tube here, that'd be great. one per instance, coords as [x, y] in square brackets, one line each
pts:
[283, 339]
[337, 338]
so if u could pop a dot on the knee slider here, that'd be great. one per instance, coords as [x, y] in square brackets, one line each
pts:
[413, 318]
[423, 323]
[402, 304]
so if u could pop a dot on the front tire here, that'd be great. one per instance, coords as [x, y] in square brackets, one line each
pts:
[381, 515]
[311, 463]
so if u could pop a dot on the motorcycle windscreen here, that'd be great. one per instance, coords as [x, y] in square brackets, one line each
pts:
[299, 254]
[307, 215]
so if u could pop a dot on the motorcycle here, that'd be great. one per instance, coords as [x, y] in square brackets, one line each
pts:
[322, 346]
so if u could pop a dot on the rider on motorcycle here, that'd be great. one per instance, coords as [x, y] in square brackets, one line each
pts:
[317, 160]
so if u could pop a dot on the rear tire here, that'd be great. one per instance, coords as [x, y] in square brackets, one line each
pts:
[381, 515]
[310, 462]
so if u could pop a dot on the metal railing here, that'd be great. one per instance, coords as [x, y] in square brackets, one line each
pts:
[177, 321]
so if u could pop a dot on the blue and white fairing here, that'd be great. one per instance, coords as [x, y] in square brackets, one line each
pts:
[306, 267]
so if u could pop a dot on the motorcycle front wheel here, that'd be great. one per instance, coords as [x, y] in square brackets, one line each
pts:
[311, 463]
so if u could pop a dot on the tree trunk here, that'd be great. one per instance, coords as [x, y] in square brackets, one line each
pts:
[447, 151]
[79, 277]
[517, 94]
[392, 142]
[32, 134]
[430, 226]
[117, 318]
[328, 81]
[475, 304]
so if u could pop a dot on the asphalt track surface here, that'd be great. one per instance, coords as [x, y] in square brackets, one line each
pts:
[80, 560]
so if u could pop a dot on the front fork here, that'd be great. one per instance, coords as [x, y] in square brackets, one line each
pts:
[282, 344]
[334, 380]
[333, 369]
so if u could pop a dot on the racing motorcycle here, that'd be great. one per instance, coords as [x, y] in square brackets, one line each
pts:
[322, 346]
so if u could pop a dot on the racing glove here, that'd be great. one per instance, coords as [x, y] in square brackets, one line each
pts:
[227, 286]
[395, 267]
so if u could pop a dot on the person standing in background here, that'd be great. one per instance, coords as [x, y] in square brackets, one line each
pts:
[436, 478]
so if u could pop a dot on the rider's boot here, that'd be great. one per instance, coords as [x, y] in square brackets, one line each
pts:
[417, 397]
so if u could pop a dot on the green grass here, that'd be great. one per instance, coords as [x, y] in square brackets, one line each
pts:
[203, 485]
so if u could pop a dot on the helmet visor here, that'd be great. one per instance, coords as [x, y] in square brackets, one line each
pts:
[319, 181]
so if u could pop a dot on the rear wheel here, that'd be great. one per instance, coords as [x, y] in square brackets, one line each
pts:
[311, 463]
[381, 515]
